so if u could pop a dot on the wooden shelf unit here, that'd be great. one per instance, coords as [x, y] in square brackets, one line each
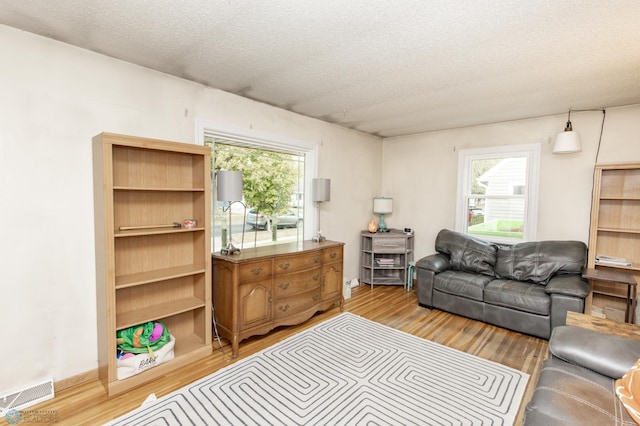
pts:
[615, 231]
[385, 257]
[158, 271]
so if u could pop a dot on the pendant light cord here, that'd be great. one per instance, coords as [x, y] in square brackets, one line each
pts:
[593, 178]
[604, 114]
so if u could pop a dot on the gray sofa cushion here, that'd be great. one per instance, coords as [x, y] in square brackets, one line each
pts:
[538, 261]
[518, 295]
[467, 253]
[464, 284]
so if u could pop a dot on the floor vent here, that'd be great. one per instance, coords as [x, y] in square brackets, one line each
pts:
[26, 397]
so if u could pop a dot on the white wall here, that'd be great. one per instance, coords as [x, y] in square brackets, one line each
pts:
[53, 99]
[420, 171]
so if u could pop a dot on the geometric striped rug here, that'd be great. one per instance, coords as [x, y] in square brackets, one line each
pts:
[346, 371]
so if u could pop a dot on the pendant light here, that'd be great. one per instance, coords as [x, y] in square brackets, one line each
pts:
[568, 141]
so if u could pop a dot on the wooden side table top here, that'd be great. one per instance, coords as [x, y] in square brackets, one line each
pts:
[603, 325]
[609, 275]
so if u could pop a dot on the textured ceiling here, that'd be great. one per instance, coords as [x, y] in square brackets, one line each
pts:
[387, 68]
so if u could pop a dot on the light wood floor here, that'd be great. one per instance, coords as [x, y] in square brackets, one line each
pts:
[88, 404]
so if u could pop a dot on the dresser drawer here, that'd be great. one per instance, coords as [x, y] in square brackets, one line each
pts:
[331, 254]
[255, 271]
[289, 264]
[285, 285]
[292, 305]
[390, 245]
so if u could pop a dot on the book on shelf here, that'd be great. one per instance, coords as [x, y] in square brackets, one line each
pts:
[602, 259]
[385, 262]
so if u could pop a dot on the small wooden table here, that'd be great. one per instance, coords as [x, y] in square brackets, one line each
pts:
[603, 325]
[615, 278]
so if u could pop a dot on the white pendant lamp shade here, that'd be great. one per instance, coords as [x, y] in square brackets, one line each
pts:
[567, 141]
[229, 185]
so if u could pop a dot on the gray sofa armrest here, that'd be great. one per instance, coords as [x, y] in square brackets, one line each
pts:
[435, 262]
[426, 269]
[568, 285]
[603, 353]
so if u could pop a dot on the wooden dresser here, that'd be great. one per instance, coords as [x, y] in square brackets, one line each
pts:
[265, 287]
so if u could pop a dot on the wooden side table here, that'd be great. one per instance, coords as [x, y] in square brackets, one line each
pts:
[385, 257]
[615, 278]
[603, 325]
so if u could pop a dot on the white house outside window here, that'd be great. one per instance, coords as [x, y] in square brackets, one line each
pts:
[498, 193]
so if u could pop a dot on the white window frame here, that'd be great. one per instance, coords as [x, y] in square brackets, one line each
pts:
[465, 158]
[262, 140]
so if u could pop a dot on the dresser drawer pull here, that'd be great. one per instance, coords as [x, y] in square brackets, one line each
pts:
[284, 266]
[283, 308]
[316, 277]
[256, 271]
[316, 259]
[333, 255]
[283, 286]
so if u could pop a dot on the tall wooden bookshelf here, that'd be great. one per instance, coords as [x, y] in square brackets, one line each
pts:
[615, 232]
[148, 268]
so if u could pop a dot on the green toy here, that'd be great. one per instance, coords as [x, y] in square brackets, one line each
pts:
[143, 338]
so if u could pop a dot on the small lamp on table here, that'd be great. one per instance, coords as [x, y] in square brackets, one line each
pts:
[229, 186]
[320, 192]
[382, 206]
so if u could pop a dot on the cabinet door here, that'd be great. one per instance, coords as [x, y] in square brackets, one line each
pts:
[255, 304]
[332, 280]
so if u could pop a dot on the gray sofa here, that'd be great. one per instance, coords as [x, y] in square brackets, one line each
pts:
[576, 383]
[527, 287]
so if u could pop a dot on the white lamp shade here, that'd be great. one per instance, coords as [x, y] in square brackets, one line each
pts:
[567, 142]
[320, 189]
[382, 205]
[229, 185]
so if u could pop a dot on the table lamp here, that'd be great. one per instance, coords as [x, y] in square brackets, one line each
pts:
[229, 185]
[382, 206]
[320, 191]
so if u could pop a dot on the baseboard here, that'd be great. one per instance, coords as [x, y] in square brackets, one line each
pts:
[78, 379]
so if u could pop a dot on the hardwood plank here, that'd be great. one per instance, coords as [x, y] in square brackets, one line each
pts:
[88, 403]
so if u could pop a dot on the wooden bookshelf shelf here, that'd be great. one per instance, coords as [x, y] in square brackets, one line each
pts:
[161, 310]
[614, 231]
[156, 272]
[158, 275]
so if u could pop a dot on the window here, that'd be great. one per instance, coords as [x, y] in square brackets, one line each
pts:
[498, 193]
[275, 182]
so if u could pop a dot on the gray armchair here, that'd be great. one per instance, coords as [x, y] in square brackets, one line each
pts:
[576, 383]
